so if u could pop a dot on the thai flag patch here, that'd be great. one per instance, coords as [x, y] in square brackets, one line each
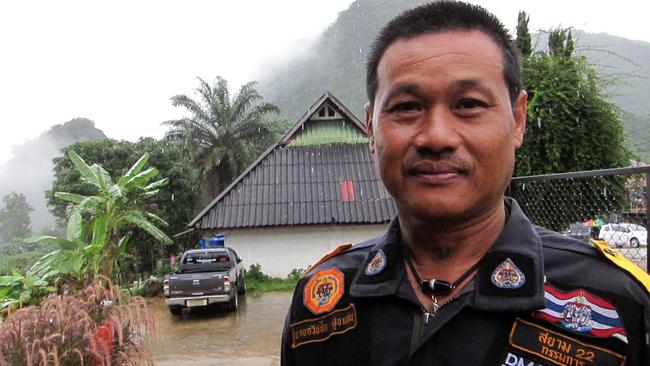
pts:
[581, 312]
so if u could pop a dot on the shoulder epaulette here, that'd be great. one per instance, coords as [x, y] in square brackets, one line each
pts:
[619, 260]
[338, 250]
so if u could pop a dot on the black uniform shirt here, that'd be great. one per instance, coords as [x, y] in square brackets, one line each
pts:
[538, 298]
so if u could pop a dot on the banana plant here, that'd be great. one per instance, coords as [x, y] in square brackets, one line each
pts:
[99, 225]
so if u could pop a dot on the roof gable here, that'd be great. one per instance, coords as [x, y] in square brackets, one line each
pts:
[320, 172]
[318, 120]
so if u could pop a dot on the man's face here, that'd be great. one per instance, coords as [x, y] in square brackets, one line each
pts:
[442, 128]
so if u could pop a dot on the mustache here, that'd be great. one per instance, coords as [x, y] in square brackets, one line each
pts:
[448, 160]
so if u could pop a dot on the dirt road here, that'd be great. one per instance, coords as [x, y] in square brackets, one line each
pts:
[249, 337]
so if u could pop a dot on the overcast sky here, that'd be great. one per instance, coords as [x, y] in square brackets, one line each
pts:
[118, 62]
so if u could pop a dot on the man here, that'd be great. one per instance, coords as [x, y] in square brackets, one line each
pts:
[461, 277]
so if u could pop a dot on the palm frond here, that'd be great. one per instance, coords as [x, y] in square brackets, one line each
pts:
[137, 219]
[83, 169]
[90, 204]
[191, 105]
[52, 240]
[100, 231]
[157, 219]
[157, 184]
[70, 197]
[103, 177]
[140, 179]
[74, 228]
[134, 169]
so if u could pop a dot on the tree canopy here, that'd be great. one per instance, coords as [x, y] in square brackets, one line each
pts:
[100, 224]
[570, 127]
[14, 217]
[175, 203]
[223, 134]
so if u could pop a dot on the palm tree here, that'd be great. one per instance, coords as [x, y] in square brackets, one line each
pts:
[223, 134]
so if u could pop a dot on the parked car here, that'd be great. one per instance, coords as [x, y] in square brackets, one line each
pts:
[580, 232]
[205, 277]
[623, 234]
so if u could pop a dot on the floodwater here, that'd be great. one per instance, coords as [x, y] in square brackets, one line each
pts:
[210, 337]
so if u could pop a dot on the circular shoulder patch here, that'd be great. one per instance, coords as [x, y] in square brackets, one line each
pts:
[323, 290]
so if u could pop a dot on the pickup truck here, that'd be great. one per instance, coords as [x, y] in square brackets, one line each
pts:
[205, 277]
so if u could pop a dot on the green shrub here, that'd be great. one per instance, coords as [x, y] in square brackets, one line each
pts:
[137, 289]
[255, 274]
[164, 268]
[20, 255]
[258, 281]
[296, 274]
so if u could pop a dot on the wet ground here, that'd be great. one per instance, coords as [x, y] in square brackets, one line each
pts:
[211, 337]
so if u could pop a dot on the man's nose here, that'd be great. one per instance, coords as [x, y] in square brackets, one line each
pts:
[438, 131]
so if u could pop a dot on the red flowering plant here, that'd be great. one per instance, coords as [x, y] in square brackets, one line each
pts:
[94, 327]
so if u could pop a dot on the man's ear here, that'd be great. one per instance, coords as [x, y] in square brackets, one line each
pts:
[371, 135]
[519, 113]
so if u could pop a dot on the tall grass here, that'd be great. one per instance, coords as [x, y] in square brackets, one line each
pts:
[95, 327]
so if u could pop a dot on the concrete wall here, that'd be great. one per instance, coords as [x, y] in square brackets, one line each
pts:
[280, 249]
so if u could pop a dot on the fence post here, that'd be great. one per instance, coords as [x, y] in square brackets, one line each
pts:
[647, 218]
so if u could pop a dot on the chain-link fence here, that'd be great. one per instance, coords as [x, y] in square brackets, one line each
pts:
[609, 204]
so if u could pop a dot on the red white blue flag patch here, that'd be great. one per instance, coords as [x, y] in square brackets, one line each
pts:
[581, 312]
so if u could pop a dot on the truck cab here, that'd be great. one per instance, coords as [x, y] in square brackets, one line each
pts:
[206, 276]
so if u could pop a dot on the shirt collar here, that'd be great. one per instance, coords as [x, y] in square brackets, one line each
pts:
[511, 276]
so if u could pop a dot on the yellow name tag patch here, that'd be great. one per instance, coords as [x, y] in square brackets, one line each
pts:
[322, 328]
[559, 349]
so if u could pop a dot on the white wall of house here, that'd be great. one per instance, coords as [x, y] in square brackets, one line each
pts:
[280, 249]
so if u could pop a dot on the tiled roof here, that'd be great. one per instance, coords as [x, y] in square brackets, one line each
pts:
[320, 172]
[305, 185]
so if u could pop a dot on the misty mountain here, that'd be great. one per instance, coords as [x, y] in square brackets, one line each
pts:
[627, 61]
[336, 62]
[30, 170]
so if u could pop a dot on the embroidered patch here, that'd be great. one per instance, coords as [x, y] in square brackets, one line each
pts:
[581, 312]
[321, 329]
[377, 264]
[323, 291]
[559, 349]
[508, 275]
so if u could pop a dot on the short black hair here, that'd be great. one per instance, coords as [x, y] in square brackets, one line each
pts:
[441, 16]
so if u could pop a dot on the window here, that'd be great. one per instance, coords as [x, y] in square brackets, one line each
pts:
[347, 191]
[326, 112]
[205, 257]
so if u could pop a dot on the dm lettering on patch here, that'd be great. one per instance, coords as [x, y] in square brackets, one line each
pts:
[513, 359]
[320, 329]
[580, 312]
[554, 348]
[323, 290]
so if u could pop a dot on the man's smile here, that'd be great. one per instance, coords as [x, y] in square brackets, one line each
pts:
[435, 172]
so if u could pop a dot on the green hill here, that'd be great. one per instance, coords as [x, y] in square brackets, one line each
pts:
[336, 62]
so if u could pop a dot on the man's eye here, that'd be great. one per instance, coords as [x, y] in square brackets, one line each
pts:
[469, 103]
[406, 107]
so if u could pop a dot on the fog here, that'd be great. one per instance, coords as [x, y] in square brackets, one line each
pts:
[30, 170]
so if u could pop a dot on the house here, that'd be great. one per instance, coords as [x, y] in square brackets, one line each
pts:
[313, 190]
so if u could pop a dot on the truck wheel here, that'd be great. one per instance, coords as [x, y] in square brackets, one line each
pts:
[176, 310]
[242, 289]
[233, 304]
